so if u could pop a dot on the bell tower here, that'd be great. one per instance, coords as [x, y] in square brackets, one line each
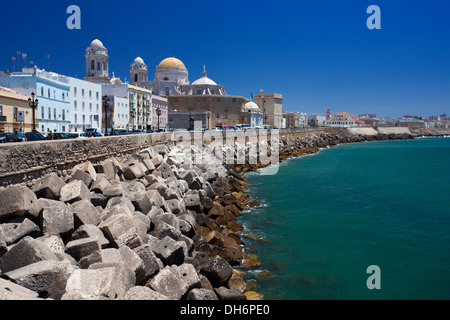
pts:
[97, 58]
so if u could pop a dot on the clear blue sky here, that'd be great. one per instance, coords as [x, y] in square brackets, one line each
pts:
[318, 54]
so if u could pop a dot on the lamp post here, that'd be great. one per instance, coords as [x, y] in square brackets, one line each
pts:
[105, 106]
[158, 113]
[191, 122]
[208, 115]
[33, 103]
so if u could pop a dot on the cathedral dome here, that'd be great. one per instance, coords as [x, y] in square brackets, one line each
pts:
[171, 63]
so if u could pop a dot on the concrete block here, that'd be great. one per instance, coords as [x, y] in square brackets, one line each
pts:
[170, 251]
[82, 176]
[106, 283]
[56, 220]
[47, 278]
[151, 265]
[84, 212]
[201, 294]
[11, 291]
[229, 294]
[48, 186]
[25, 252]
[75, 191]
[169, 283]
[82, 247]
[217, 270]
[16, 202]
[141, 201]
[187, 272]
[17, 228]
[90, 231]
[143, 293]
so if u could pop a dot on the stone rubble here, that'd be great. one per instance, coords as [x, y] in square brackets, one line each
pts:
[155, 226]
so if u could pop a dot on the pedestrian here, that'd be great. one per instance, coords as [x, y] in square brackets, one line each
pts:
[20, 135]
[50, 135]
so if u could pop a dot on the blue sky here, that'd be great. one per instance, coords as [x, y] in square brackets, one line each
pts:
[318, 54]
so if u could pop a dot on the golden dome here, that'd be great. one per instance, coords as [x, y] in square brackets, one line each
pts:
[171, 62]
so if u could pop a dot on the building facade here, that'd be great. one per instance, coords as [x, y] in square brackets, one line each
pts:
[140, 102]
[291, 120]
[116, 111]
[85, 105]
[186, 119]
[160, 103]
[15, 112]
[53, 92]
[271, 105]
[345, 120]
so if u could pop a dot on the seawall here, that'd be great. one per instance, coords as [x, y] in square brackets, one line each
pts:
[23, 162]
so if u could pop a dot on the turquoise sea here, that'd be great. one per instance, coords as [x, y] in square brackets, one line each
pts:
[326, 217]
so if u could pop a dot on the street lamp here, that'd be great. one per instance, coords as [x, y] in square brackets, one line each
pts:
[33, 103]
[105, 106]
[158, 113]
[208, 115]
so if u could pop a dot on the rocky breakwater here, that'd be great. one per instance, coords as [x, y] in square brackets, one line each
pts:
[294, 143]
[155, 226]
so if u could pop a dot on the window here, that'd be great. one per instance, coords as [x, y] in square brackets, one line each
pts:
[42, 112]
[104, 65]
[84, 118]
[135, 78]
[42, 91]
[54, 113]
[96, 95]
[63, 96]
[64, 128]
[82, 106]
[43, 128]
[97, 107]
[49, 92]
[75, 118]
[75, 91]
[75, 105]
[92, 65]
[98, 66]
[90, 94]
[82, 93]
[64, 116]
[90, 106]
[49, 112]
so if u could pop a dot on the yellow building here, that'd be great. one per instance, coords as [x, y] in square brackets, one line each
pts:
[140, 102]
[13, 106]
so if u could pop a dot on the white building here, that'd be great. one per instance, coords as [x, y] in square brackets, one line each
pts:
[51, 89]
[302, 120]
[85, 105]
[345, 120]
[118, 106]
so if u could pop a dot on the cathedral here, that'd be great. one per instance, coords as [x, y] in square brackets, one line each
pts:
[172, 79]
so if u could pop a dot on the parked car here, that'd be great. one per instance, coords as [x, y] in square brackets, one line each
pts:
[75, 135]
[137, 131]
[7, 137]
[119, 132]
[60, 136]
[92, 134]
[34, 136]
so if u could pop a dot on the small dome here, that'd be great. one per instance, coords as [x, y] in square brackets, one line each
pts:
[171, 63]
[97, 44]
[138, 60]
[253, 107]
[204, 79]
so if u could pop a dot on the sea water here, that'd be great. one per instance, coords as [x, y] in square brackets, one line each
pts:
[327, 217]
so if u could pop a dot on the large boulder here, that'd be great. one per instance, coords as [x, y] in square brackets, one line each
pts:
[217, 270]
[25, 252]
[47, 278]
[56, 220]
[16, 202]
[104, 283]
[169, 283]
[74, 191]
[48, 186]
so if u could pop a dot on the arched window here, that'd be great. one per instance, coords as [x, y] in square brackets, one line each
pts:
[98, 66]
[92, 65]
[135, 77]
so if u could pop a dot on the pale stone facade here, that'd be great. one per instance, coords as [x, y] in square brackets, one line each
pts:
[11, 103]
[271, 105]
